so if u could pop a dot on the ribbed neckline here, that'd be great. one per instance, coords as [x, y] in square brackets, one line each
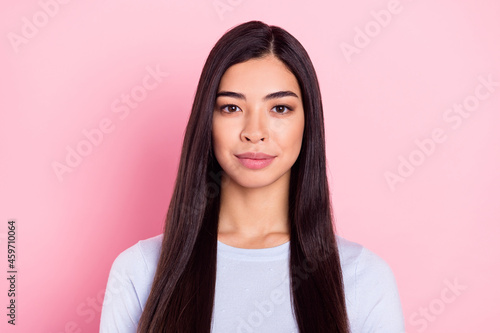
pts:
[275, 252]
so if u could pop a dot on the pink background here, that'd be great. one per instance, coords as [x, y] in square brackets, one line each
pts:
[438, 227]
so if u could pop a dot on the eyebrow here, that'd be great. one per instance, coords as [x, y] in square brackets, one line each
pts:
[274, 95]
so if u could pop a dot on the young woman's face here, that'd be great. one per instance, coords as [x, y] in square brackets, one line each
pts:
[258, 109]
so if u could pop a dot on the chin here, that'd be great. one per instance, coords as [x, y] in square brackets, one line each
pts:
[251, 180]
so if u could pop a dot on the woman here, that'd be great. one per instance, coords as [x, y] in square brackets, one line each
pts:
[249, 244]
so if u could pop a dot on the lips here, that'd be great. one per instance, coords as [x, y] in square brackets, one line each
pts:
[255, 156]
[255, 160]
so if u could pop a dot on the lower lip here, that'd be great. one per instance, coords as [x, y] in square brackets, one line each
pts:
[255, 164]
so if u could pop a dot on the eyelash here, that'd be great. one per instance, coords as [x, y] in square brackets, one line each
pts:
[279, 105]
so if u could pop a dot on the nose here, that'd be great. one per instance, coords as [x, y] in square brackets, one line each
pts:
[256, 127]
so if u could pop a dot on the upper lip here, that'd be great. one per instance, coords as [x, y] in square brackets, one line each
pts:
[254, 156]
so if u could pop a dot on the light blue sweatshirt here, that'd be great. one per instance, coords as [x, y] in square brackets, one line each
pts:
[252, 289]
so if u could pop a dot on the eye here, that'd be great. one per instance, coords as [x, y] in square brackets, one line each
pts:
[282, 109]
[230, 108]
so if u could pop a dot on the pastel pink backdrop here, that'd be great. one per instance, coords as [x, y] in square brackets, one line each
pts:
[383, 88]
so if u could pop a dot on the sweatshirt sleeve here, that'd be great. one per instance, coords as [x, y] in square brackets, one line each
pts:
[122, 307]
[378, 306]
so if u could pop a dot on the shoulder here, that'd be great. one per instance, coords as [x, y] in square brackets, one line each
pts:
[129, 284]
[357, 259]
[150, 250]
[141, 256]
[372, 297]
[134, 268]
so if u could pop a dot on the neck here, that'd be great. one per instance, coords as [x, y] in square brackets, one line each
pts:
[254, 217]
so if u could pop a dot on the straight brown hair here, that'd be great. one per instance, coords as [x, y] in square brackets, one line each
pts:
[183, 289]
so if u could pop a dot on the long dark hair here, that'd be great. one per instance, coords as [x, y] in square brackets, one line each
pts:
[182, 294]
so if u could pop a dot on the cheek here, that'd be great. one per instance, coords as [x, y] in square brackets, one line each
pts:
[222, 137]
[289, 135]
[217, 131]
[218, 148]
[296, 140]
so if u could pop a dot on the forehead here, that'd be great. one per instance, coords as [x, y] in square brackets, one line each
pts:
[259, 76]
